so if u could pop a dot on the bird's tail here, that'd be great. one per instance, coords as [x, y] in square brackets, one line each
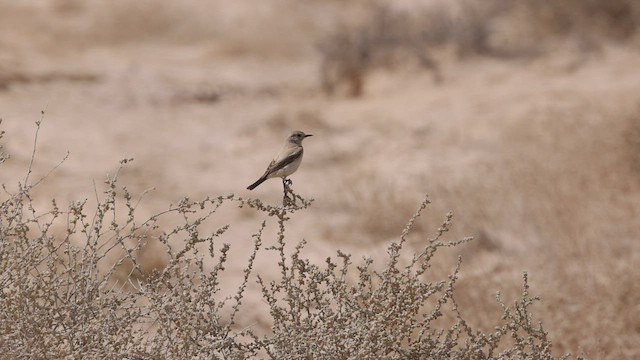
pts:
[255, 184]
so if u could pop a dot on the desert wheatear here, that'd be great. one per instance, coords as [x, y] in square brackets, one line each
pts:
[287, 160]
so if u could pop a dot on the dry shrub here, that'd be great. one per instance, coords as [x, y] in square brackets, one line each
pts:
[472, 27]
[349, 51]
[64, 296]
[386, 36]
[615, 19]
[391, 314]
[60, 300]
[382, 35]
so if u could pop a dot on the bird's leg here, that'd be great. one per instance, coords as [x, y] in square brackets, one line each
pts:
[286, 183]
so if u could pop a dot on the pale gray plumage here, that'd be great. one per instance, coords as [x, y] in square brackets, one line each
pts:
[287, 160]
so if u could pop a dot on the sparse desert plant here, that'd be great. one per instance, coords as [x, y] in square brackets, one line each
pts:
[617, 19]
[63, 295]
[389, 313]
[350, 51]
[387, 36]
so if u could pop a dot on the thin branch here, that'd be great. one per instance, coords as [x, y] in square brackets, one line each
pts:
[35, 145]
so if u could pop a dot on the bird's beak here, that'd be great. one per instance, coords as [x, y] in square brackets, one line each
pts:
[307, 135]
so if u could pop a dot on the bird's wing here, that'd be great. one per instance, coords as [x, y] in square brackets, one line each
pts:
[279, 163]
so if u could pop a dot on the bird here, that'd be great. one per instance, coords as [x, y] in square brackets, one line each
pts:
[286, 161]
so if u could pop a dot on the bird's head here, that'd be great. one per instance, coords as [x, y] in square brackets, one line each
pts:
[297, 136]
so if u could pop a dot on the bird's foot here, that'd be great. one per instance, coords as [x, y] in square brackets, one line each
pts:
[287, 200]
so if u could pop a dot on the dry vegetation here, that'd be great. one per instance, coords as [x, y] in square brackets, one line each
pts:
[523, 117]
[77, 283]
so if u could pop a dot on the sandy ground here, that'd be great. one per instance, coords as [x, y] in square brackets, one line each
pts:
[533, 156]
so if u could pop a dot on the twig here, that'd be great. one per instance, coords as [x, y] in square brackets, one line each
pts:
[35, 145]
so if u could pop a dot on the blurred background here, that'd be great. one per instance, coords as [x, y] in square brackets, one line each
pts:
[521, 117]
